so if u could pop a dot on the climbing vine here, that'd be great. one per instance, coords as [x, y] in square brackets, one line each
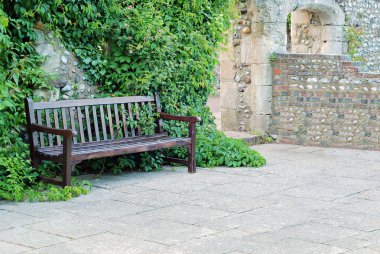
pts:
[354, 39]
[126, 47]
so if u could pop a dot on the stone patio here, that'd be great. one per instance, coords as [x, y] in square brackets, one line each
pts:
[306, 200]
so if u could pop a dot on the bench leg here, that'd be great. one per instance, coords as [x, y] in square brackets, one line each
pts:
[68, 168]
[36, 163]
[191, 165]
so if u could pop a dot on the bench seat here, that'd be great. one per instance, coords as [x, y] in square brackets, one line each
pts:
[72, 131]
[93, 150]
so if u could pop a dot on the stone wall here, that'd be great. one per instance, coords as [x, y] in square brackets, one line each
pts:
[236, 73]
[262, 31]
[365, 14]
[67, 80]
[306, 32]
[323, 100]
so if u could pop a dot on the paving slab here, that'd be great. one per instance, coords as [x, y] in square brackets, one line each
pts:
[350, 243]
[104, 243]
[74, 226]
[9, 220]
[11, 248]
[171, 233]
[30, 238]
[348, 219]
[317, 232]
[305, 200]
[186, 213]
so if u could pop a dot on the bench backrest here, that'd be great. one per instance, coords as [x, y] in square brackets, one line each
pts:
[93, 119]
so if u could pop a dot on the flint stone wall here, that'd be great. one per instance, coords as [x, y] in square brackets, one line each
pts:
[247, 98]
[325, 101]
[67, 80]
[365, 14]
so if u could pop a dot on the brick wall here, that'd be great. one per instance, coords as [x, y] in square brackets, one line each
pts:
[323, 100]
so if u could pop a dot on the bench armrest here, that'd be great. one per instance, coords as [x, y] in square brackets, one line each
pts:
[54, 131]
[189, 119]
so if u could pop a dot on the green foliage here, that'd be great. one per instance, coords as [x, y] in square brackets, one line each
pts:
[151, 161]
[19, 76]
[126, 47]
[354, 39]
[272, 59]
[212, 152]
[46, 192]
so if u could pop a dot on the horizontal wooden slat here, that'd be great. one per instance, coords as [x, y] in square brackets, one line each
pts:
[109, 147]
[107, 142]
[137, 148]
[91, 102]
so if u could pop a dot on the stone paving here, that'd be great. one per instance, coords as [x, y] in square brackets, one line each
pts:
[306, 200]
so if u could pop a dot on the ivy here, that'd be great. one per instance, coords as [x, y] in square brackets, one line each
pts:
[354, 39]
[126, 47]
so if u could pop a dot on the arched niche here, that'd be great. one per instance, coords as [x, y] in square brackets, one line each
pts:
[269, 35]
[315, 28]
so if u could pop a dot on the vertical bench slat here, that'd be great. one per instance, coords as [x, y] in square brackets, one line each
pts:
[103, 120]
[64, 118]
[39, 121]
[95, 115]
[56, 125]
[150, 108]
[138, 118]
[72, 121]
[48, 124]
[158, 110]
[80, 122]
[124, 120]
[87, 113]
[131, 117]
[110, 122]
[117, 120]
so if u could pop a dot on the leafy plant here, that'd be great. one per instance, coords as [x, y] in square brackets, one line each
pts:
[126, 47]
[272, 59]
[354, 39]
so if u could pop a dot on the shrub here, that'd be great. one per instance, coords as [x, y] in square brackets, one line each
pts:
[127, 47]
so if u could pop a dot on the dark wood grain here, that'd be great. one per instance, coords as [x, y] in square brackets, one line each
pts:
[64, 118]
[137, 118]
[117, 119]
[91, 102]
[110, 122]
[124, 118]
[190, 119]
[88, 124]
[96, 125]
[56, 125]
[72, 122]
[158, 111]
[39, 121]
[80, 123]
[48, 124]
[133, 133]
[70, 152]
[103, 120]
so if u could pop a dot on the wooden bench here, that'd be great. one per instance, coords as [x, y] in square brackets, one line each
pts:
[71, 131]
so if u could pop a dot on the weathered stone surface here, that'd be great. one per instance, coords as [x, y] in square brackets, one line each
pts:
[66, 88]
[316, 27]
[317, 106]
[12, 248]
[31, 238]
[221, 210]
[62, 67]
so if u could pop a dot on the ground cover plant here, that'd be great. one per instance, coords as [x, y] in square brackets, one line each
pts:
[126, 47]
